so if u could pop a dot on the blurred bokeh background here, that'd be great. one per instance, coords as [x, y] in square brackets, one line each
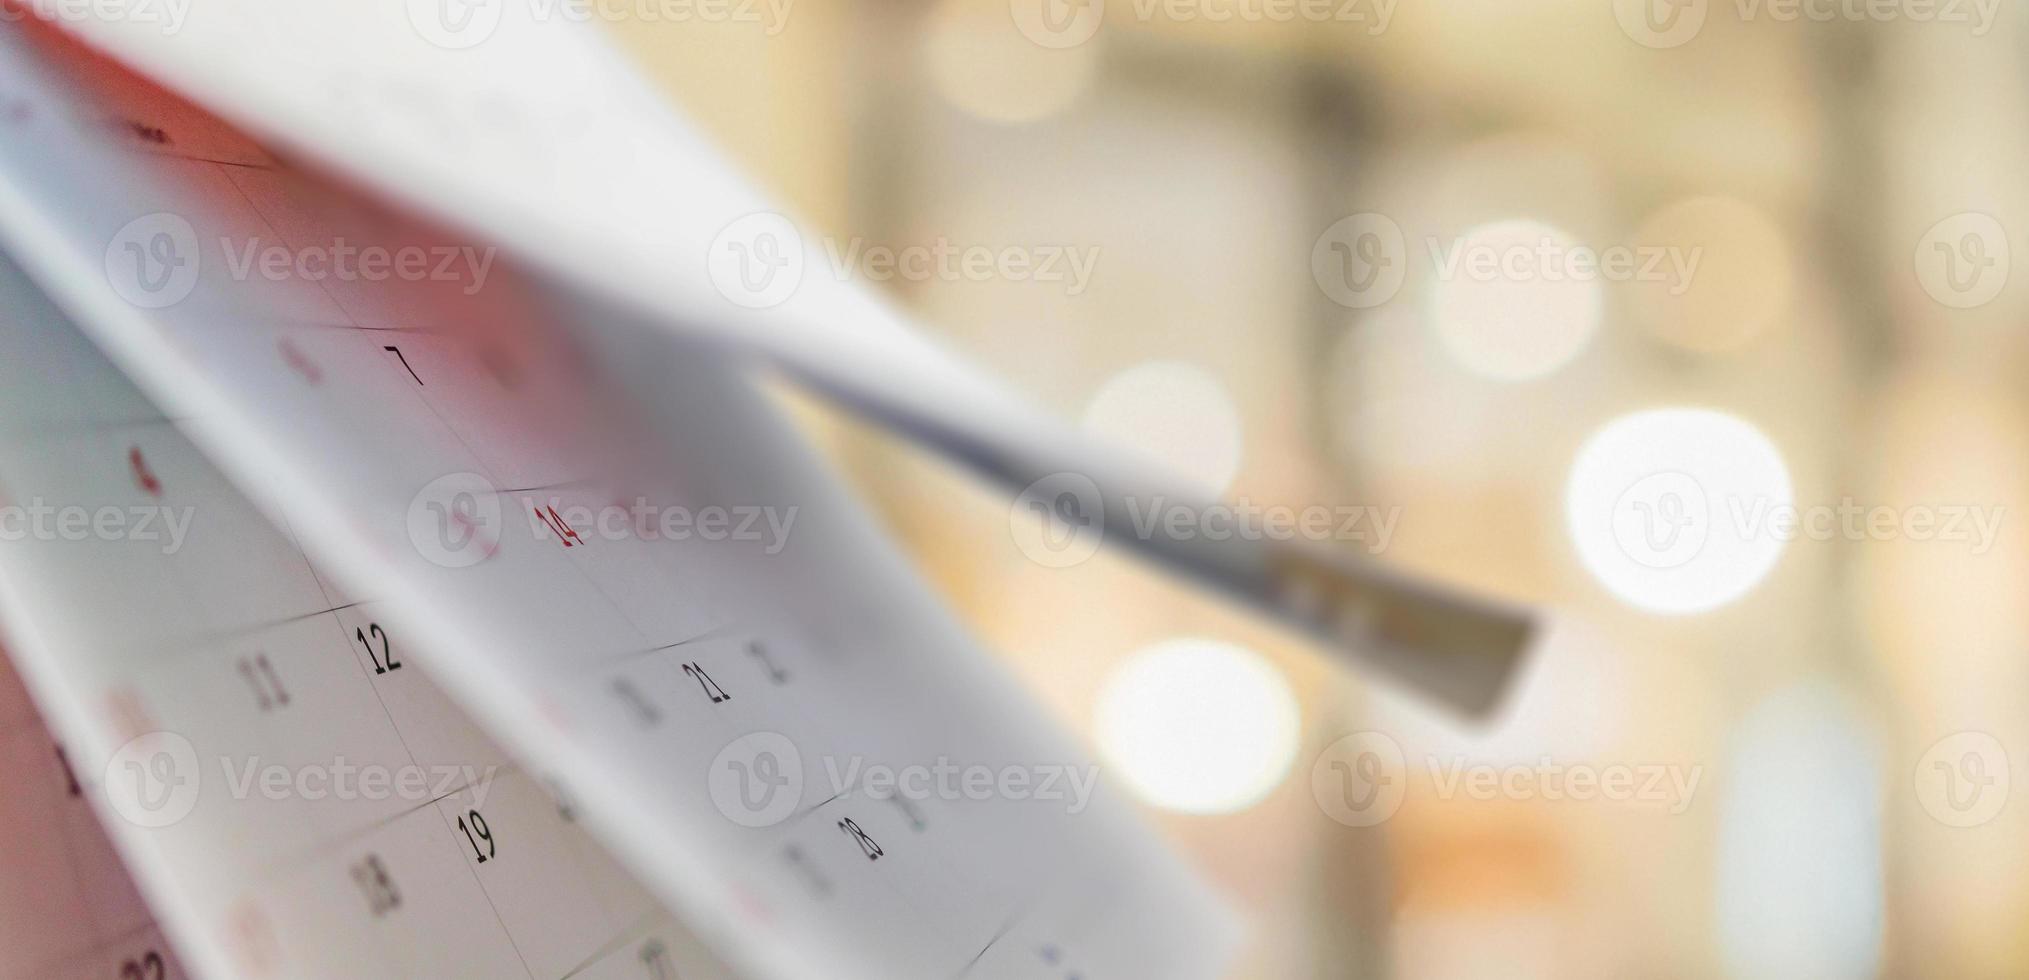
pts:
[1505, 275]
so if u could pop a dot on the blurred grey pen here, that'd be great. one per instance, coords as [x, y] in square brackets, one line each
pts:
[1456, 649]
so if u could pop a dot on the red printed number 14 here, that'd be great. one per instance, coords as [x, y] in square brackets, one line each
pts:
[555, 522]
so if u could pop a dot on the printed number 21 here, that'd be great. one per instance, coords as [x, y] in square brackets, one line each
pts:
[704, 680]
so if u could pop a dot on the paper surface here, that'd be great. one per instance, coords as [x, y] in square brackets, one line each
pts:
[298, 784]
[524, 128]
[68, 908]
[667, 608]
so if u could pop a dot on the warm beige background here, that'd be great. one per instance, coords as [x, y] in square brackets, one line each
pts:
[1804, 161]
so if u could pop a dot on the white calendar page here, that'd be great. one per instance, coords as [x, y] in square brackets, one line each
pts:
[432, 445]
[522, 125]
[68, 908]
[222, 646]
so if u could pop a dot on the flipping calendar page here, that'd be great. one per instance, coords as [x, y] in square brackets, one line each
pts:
[534, 134]
[654, 595]
[298, 799]
[68, 908]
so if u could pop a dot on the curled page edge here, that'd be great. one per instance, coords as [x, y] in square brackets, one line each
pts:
[48, 242]
[592, 132]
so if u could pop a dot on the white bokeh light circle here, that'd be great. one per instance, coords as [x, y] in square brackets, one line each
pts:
[1515, 300]
[1010, 70]
[1198, 726]
[1678, 510]
[1176, 415]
